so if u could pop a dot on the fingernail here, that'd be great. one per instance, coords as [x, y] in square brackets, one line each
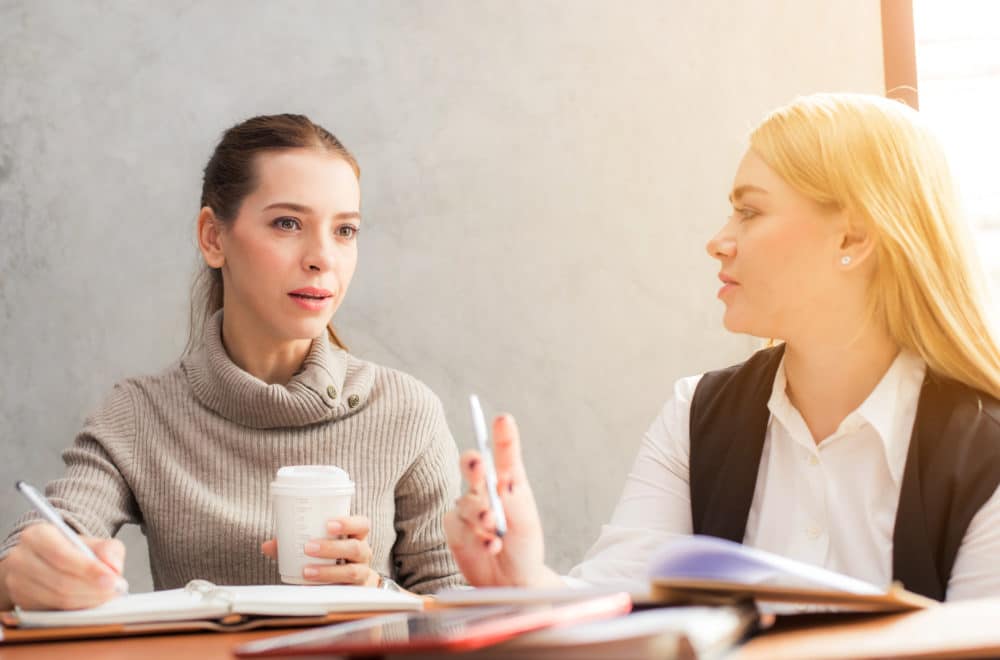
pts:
[309, 571]
[333, 526]
[311, 547]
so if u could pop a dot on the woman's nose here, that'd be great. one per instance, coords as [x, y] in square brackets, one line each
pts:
[320, 256]
[722, 245]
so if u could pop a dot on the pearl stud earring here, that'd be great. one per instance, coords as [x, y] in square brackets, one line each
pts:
[845, 260]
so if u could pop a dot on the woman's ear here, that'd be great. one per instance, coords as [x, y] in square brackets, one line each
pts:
[210, 238]
[856, 244]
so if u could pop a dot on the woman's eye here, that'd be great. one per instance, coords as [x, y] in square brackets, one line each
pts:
[744, 213]
[287, 224]
[347, 231]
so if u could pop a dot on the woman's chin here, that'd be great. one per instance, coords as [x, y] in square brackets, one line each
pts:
[740, 325]
[306, 328]
[732, 322]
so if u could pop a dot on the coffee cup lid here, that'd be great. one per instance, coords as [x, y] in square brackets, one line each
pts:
[312, 476]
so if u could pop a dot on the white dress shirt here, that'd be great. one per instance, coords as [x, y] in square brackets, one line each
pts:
[831, 505]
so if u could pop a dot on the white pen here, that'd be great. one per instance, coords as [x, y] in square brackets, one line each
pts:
[43, 507]
[479, 424]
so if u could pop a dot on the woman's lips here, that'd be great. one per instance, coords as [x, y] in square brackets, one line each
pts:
[311, 298]
[726, 288]
[728, 284]
[311, 304]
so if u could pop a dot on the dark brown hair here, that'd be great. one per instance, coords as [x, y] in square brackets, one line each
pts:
[230, 176]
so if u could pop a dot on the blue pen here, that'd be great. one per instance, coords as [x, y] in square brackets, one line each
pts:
[51, 515]
[479, 424]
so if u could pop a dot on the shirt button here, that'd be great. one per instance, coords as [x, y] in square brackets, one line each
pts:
[331, 391]
[353, 400]
[813, 460]
[814, 532]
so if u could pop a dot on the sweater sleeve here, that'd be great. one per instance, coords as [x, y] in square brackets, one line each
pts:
[421, 558]
[92, 495]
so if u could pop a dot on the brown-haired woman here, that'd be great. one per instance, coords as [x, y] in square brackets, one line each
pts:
[265, 382]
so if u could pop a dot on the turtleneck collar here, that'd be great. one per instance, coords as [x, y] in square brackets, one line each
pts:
[328, 385]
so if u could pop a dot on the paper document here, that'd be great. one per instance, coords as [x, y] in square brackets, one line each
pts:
[203, 600]
[710, 558]
[708, 569]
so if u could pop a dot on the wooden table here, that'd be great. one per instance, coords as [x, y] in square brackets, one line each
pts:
[183, 646]
[968, 629]
[963, 629]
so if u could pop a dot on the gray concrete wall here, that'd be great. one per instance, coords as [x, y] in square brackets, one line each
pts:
[539, 180]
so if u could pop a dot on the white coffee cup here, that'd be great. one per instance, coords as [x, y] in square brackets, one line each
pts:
[304, 498]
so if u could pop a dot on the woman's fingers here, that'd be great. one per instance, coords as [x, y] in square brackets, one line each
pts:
[71, 567]
[474, 511]
[353, 526]
[44, 591]
[471, 463]
[468, 542]
[507, 450]
[53, 549]
[351, 550]
[111, 552]
[478, 525]
[35, 583]
[359, 574]
[349, 547]
[457, 532]
[269, 548]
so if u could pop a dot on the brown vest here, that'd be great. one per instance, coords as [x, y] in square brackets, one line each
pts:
[952, 467]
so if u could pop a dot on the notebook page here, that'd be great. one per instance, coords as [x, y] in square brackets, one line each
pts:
[709, 558]
[168, 605]
[306, 600]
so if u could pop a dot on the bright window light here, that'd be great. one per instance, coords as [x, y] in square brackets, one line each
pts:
[958, 78]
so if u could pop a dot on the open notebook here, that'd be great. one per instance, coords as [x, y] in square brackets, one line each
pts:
[706, 569]
[202, 605]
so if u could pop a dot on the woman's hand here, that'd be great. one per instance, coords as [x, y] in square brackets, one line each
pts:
[517, 559]
[44, 571]
[348, 543]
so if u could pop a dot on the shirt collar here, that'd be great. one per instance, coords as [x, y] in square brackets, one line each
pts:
[890, 409]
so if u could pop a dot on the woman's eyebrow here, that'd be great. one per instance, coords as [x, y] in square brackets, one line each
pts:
[299, 208]
[739, 191]
[291, 206]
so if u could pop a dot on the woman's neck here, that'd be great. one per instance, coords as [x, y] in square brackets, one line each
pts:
[828, 380]
[271, 360]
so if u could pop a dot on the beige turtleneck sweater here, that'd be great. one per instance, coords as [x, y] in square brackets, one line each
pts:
[189, 455]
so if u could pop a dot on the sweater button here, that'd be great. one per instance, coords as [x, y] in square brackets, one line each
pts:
[353, 400]
[331, 391]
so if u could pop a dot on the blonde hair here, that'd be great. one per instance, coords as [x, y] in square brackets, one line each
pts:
[874, 158]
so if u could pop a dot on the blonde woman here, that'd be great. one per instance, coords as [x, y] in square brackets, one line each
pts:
[868, 440]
